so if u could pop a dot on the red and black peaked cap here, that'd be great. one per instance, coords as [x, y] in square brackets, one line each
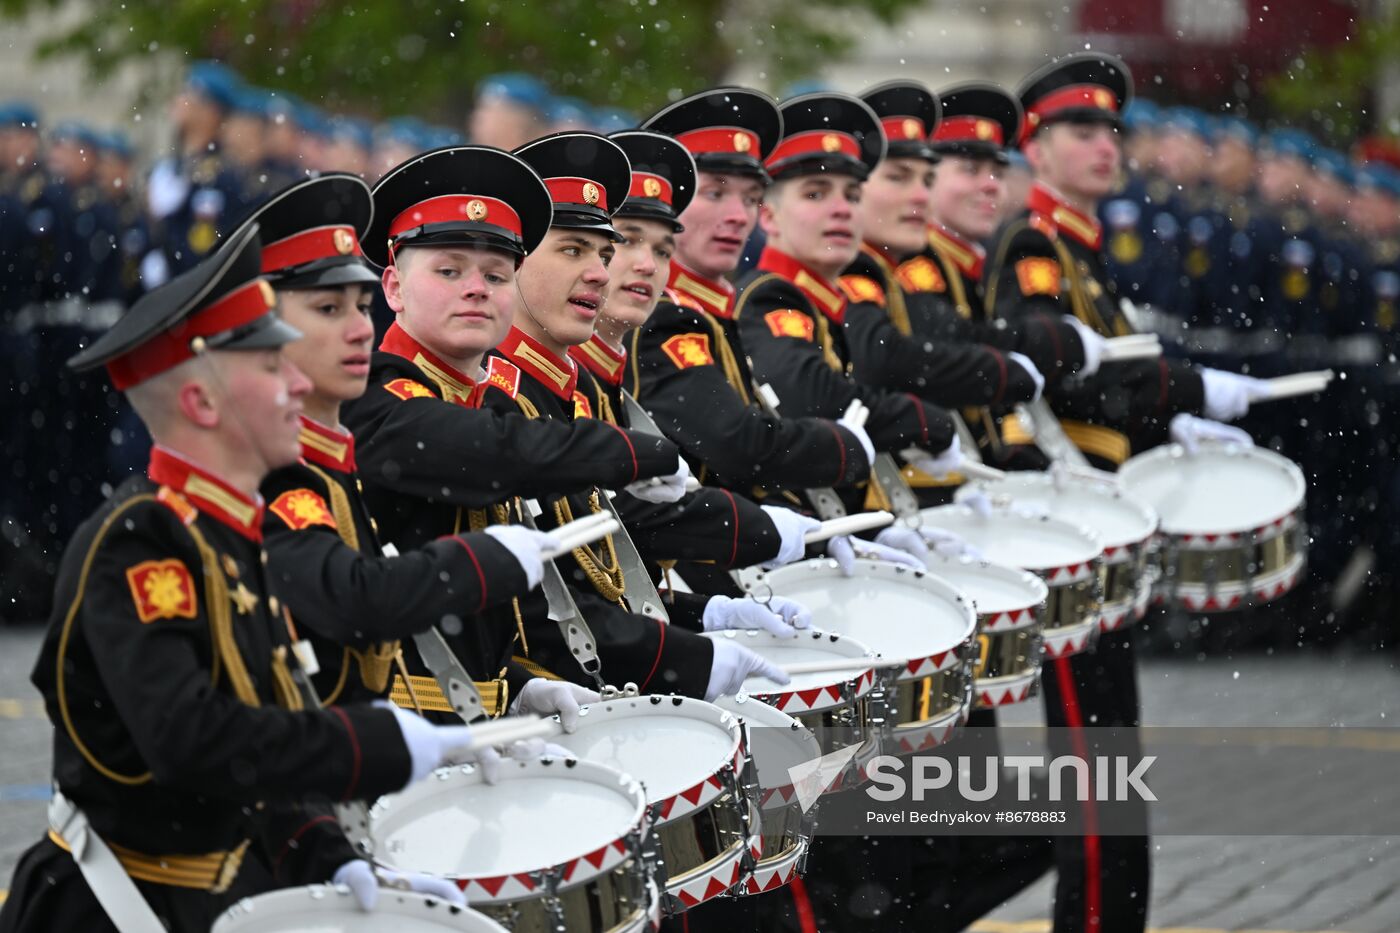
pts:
[909, 113]
[663, 177]
[980, 120]
[827, 133]
[223, 303]
[1087, 87]
[311, 232]
[587, 175]
[458, 196]
[729, 130]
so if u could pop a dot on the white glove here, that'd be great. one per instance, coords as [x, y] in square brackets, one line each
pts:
[859, 431]
[429, 746]
[844, 549]
[1228, 395]
[662, 489]
[732, 666]
[1189, 431]
[792, 528]
[977, 500]
[782, 616]
[490, 762]
[549, 697]
[941, 465]
[1093, 344]
[1023, 361]
[363, 880]
[527, 546]
[919, 541]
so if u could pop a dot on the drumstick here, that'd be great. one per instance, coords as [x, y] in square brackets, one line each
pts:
[1129, 339]
[1134, 351]
[848, 524]
[691, 483]
[572, 535]
[974, 469]
[836, 665]
[503, 732]
[1297, 384]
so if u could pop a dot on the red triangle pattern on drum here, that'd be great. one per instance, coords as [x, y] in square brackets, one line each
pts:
[664, 809]
[692, 796]
[714, 889]
[596, 858]
[568, 868]
[526, 881]
[687, 899]
[492, 886]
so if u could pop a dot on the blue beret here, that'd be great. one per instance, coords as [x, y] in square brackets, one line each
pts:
[569, 110]
[1187, 120]
[1290, 143]
[282, 104]
[75, 132]
[1334, 163]
[250, 100]
[213, 81]
[1236, 128]
[525, 90]
[313, 120]
[117, 143]
[1015, 158]
[435, 137]
[1380, 176]
[358, 132]
[613, 119]
[1141, 114]
[18, 113]
[403, 131]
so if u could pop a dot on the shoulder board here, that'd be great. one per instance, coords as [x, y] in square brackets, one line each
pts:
[789, 322]
[301, 508]
[921, 274]
[408, 388]
[178, 504]
[681, 300]
[861, 289]
[502, 374]
[1044, 226]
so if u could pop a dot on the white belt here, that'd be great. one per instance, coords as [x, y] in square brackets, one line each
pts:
[110, 884]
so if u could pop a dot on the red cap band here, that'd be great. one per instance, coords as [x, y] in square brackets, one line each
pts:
[169, 348]
[1074, 97]
[898, 129]
[570, 190]
[309, 246]
[969, 129]
[646, 185]
[720, 140]
[814, 142]
[457, 208]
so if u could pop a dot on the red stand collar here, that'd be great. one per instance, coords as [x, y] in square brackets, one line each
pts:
[695, 291]
[824, 297]
[559, 376]
[1070, 221]
[601, 360]
[332, 448]
[457, 387]
[207, 492]
[969, 257]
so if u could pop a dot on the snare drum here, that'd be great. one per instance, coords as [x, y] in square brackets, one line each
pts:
[903, 615]
[1124, 524]
[1010, 607]
[1066, 556]
[321, 908]
[554, 844]
[777, 743]
[692, 761]
[1232, 522]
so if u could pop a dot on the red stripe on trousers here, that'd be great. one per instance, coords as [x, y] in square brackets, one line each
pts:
[1092, 903]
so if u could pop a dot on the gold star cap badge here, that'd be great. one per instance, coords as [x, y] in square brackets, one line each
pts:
[590, 193]
[476, 209]
[269, 296]
[912, 129]
[344, 242]
[742, 143]
[1103, 99]
[984, 129]
[831, 142]
[651, 187]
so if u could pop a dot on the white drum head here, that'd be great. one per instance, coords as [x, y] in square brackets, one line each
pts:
[1218, 490]
[993, 588]
[539, 815]
[1119, 520]
[1030, 542]
[777, 742]
[668, 743]
[321, 908]
[901, 614]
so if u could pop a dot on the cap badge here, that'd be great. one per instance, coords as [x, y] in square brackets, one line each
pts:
[912, 129]
[476, 209]
[831, 142]
[344, 242]
[268, 295]
[590, 193]
[984, 129]
[742, 143]
[1103, 99]
[651, 187]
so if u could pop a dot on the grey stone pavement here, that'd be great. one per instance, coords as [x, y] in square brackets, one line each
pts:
[1202, 884]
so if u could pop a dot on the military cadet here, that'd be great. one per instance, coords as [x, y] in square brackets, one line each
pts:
[790, 309]
[893, 215]
[282, 141]
[182, 744]
[453, 224]
[349, 600]
[243, 138]
[1051, 259]
[352, 140]
[561, 289]
[193, 195]
[509, 110]
[689, 368]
